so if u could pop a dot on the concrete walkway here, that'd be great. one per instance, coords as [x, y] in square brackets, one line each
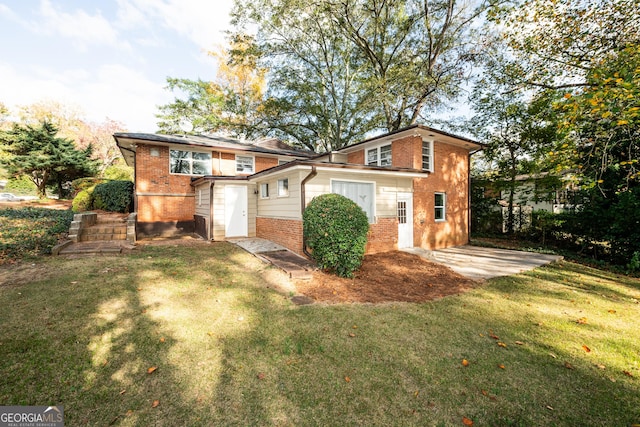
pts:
[294, 265]
[480, 263]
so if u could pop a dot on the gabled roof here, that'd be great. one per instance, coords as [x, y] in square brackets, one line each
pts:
[424, 131]
[127, 143]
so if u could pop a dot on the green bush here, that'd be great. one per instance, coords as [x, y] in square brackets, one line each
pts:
[113, 196]
[83, 201]
[22, 186]
[85, 183]
[335, 229]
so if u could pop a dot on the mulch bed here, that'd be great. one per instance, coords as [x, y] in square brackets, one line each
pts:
[387, 277]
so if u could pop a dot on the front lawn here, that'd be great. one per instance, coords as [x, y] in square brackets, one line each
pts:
[173, 335]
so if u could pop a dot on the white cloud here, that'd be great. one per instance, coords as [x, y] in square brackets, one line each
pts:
[113, 91]
[79, 26]
[203, 23]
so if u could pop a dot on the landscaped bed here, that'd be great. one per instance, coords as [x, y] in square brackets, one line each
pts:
[388, 277]
[194, 334]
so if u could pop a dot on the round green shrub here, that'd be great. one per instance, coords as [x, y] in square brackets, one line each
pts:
[113, 196]
[335, 229]
[83, 201]
[119, 172]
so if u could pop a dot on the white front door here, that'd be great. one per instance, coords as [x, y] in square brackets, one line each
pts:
[235, 211]
[405, 220]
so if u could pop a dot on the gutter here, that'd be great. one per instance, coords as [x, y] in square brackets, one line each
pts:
[308, 178]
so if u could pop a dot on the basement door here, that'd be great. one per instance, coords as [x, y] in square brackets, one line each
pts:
[405, 220]
[235, 211]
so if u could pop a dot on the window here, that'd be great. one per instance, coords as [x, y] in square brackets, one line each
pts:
[427, 156]
[380, 156]
[264, 191]
[283, 187]
[440, 205]
[362, 193]
[244, 164]
[189, 162]
[402, 212]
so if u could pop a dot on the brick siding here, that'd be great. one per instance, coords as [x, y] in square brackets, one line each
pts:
[382, 236]
[285, 232]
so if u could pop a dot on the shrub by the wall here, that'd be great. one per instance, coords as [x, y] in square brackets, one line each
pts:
[83, 201]
[113, 196]
[335, 229]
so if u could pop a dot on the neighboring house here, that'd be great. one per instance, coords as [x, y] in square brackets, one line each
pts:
[413, 184]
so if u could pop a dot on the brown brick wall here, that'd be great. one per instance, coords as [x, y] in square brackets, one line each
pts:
[285, 232]
[407, 152]
[166, 208]
[262, 163]
[382, 236]
[450, 177]
[356, 158]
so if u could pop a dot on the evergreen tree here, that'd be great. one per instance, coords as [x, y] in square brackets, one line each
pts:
[37, 152]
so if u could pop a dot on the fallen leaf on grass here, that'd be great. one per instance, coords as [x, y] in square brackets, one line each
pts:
[553, 355]
[501, 344]
[352, 335]
[347, 379]
[466, 421]
[585, 348]
[416, 393]
[501, 366]
[494, 336]
[155, 403]
[581, 321]
[519, 343]
[549, 408]
[568, 365]
[355, 326]
[261, 376]
[627, 373]
[122, 392]
[465, 362]
[162, 339]
[152, 369]
[600, 366]
[612, 311]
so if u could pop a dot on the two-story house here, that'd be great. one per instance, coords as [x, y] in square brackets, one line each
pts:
[413, 184]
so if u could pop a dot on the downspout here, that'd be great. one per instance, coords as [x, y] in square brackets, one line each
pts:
[210, 227]
[303, 206]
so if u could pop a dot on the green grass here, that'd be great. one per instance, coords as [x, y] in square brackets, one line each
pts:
[28, 232]
[231, 351]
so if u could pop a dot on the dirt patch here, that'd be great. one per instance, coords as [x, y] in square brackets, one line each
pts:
[387, 277]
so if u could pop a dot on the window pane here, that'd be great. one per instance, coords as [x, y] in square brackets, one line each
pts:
[439, 199]
[426, 156]
[201, 156]
[385, 155]
[180, 161]
[283, 187]
[440, 206]
[200, 168]
[244, 164]
[439, 213]
[264, 190]
[372, 157]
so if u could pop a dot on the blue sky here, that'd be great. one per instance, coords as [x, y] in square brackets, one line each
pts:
[109, 58]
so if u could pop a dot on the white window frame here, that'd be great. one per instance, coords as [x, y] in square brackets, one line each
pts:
[244, 158]
[190, 161]
[430, 145]
[378, 155]
[264, 194]
[283, 192]
[372, 220]
[443, 206]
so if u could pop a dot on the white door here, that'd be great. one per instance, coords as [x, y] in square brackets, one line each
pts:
[235, 211]
[405, 220]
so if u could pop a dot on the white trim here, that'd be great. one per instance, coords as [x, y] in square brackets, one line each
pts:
[443, 206]
[394, 173]
[253, 164]
[431, 154]
[378, 147]
[210, 166]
